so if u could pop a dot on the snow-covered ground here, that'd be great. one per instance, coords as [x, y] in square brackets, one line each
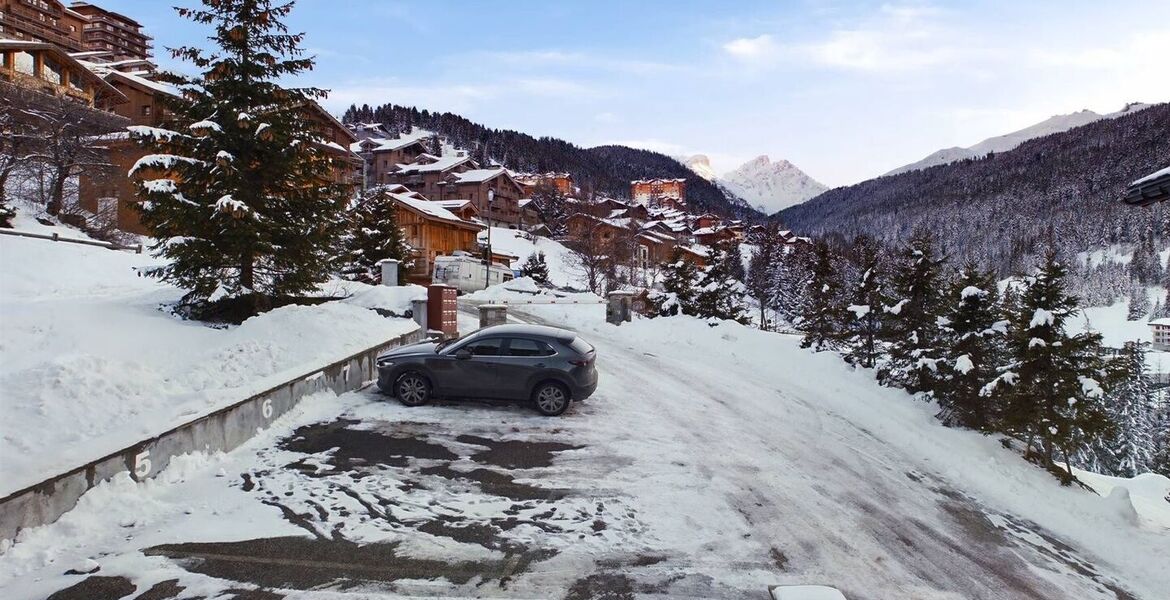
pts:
[563, 267]
[711, 462]
[90, 362]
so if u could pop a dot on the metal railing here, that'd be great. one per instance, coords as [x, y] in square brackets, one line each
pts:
[56, 237]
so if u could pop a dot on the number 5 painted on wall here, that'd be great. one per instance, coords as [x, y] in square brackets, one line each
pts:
[142, 465]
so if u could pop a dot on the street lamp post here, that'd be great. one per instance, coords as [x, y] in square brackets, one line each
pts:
[487, 272]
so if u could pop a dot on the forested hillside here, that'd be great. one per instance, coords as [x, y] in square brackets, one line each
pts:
[1000, 210]
[605, 169]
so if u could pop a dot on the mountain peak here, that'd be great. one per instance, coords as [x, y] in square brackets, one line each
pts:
[1003, 143]
[771, 186]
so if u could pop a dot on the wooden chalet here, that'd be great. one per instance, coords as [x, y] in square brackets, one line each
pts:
[49, 70]
[474, 185]
[431, 230]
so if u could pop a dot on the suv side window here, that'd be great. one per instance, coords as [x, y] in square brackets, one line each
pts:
[528, 347]
[486, 347]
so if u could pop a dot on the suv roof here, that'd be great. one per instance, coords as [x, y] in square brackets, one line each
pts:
[533, 330]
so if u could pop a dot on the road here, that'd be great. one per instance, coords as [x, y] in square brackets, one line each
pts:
[676, 480]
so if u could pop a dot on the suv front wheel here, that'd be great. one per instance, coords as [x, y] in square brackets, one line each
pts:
[412, 389]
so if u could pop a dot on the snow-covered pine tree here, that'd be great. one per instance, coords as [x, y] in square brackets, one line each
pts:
[1146, 267]
[792, 277]
[1160, 462]
[374, 235]
[720, 295]
[536, 267]
[735, 261]
[1139, 303]
[678, 287]
[239, 186]
[1052, 395]
[762, 270]
[1129, 447]
[820, 319]
[862, 327]
[911, 317]
[973, 336]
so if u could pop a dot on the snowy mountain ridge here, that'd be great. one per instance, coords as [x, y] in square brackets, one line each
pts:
[765, 185]
[1003, 143]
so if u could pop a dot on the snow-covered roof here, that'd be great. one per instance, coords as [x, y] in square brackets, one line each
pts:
[387, 145]
[433, 164]
[706, 231]
[478, 175]
[1164, 321]
[454, 204]
[1152, 176]
[1152, 188]
[433, 210]
[679, 180]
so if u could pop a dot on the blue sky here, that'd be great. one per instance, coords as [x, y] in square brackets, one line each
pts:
[846, 90]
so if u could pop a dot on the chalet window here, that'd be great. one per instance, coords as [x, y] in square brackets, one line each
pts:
[146, 110]
[25, 63]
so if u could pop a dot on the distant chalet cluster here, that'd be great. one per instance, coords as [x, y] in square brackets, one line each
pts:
[98, 63]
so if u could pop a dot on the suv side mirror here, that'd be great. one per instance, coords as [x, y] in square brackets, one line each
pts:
[463, 354]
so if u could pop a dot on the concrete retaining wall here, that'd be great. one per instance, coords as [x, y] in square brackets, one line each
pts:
[221, 430]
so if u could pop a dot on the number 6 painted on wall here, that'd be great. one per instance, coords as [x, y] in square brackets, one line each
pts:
[266, 408]
[142, 465]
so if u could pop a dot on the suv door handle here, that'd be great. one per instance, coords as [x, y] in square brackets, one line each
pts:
[539, 365]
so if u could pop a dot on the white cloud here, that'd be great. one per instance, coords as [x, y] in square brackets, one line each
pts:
[898, 38]
[759, 48]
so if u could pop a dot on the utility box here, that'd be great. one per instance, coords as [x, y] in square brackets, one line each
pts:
[620, 307]
[492, 314]
[442, 310]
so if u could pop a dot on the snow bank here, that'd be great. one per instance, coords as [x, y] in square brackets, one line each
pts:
[395, 299]
[89, 363]
[524, 290]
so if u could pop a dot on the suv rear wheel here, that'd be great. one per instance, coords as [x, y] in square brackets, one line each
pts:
[551, 398]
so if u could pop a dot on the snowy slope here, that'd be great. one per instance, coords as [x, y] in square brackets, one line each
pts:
[1008, 141]
[764, 185]
[563, 267]
[89, 362]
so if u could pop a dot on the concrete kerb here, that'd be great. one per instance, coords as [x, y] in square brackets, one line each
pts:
[221, 430]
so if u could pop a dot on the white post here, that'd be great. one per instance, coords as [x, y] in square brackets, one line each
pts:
[389, 271]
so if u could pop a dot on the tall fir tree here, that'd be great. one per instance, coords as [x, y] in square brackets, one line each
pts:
[239, 186]
[678, 287]
[912, 326]
[1139, 303]
[720, 294]
[536, 267]
[973, 337]
[820, 317]
[735, 261]
[864, 319]
[374, 235]
[1129, 447]
[762, 271]
[1051, 386]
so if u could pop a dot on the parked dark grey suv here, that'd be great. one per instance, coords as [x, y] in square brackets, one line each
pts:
[550, 366]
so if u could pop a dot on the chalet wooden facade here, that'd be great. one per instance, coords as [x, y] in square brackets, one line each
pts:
[115, 197]
[49, 70]
[474, 185]
[80, 27]
[561, 183]
[431, 231]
